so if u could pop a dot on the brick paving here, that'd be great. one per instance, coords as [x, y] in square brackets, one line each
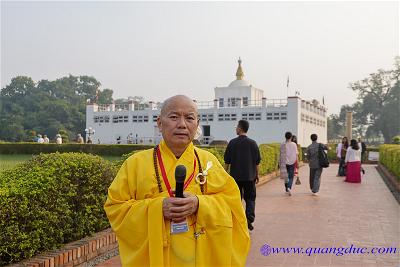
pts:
[343, 214]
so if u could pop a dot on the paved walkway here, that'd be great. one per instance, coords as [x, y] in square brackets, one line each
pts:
[343, 214]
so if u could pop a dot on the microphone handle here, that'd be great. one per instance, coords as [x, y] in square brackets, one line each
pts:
[179, 190]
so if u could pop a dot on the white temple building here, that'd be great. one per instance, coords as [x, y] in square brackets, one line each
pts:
[269, 118]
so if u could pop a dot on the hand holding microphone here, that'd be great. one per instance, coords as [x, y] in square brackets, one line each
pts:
[183, 204]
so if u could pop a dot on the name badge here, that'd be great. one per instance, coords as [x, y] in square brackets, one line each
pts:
[177, 228]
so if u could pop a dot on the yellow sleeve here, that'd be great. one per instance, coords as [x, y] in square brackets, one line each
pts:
[221, 214]
[132, 216]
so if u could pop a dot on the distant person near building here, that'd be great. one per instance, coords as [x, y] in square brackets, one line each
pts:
[314, 164]
[46, 139]
[79, 139]
[40, 139]
[242, 159]
[58, 139]
[129, 138]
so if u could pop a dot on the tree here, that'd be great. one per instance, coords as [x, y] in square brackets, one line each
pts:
[138, 101]
[47, 107]
[105, 97]
[379, 101]
[19, 87]
[335, 127]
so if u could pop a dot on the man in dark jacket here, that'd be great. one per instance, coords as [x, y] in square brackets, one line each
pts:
[313, 162]
[242, 159]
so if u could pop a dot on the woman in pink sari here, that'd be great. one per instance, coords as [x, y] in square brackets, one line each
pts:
[353, 163]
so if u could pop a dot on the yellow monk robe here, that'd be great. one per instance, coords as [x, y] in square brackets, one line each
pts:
[134, 208]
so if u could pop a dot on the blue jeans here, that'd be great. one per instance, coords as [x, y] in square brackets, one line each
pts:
[342, 169]
[290, 172]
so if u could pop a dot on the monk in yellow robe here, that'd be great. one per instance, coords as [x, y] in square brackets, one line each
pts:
[207, 227]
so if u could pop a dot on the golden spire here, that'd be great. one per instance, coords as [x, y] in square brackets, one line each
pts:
[239, 72]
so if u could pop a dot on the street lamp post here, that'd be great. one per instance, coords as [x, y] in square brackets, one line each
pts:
[89, 132]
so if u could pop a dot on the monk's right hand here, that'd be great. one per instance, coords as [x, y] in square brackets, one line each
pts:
[177, 209]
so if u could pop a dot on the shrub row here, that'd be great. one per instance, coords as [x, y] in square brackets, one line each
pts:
[50, 200]
[269, 158]
[269, 154]
[97, 149]
[389, 155]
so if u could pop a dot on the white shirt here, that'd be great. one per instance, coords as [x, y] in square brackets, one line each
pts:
[59, 140]
[353, 155]
[291, 153]
[46, 140]
[338, 150]
[40, 140]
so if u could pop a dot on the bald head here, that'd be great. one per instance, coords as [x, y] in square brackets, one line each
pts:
[177, 99]
[178, 122]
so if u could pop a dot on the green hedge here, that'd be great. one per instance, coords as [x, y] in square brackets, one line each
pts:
[96, 149]
[389, 155]
[269, 154]
[217, 151]
[269, 158]
[50, 200]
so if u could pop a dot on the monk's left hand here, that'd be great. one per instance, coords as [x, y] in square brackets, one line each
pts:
[180, 208]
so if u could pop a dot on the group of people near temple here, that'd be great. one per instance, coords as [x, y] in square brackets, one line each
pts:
[45, 140]
[161, 219]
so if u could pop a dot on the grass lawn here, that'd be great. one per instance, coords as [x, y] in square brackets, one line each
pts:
[111, 158]
[9, 161]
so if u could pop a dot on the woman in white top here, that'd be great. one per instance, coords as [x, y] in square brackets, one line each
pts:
[353, 163]
[58, 139]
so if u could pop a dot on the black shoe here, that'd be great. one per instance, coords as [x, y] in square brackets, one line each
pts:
[250, 226]
[363, 171]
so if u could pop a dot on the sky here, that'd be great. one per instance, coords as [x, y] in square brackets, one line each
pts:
[159, 49]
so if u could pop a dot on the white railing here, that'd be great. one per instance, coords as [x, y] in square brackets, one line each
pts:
[121, 107]
[200, 105]
[276, 103]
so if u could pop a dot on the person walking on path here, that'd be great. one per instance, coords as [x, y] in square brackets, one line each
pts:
[288, 157]
[296, 164]
[313, 161]
[242, 159]
[353, 163]
[156, 226]
[341, 155]
[363, 147]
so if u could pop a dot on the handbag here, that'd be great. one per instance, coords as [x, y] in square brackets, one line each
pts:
[322, 157]
[298, 182]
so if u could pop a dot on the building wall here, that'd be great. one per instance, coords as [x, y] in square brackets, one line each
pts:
[281, 119]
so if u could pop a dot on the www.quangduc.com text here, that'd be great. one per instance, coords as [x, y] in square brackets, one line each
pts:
[267, 250]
